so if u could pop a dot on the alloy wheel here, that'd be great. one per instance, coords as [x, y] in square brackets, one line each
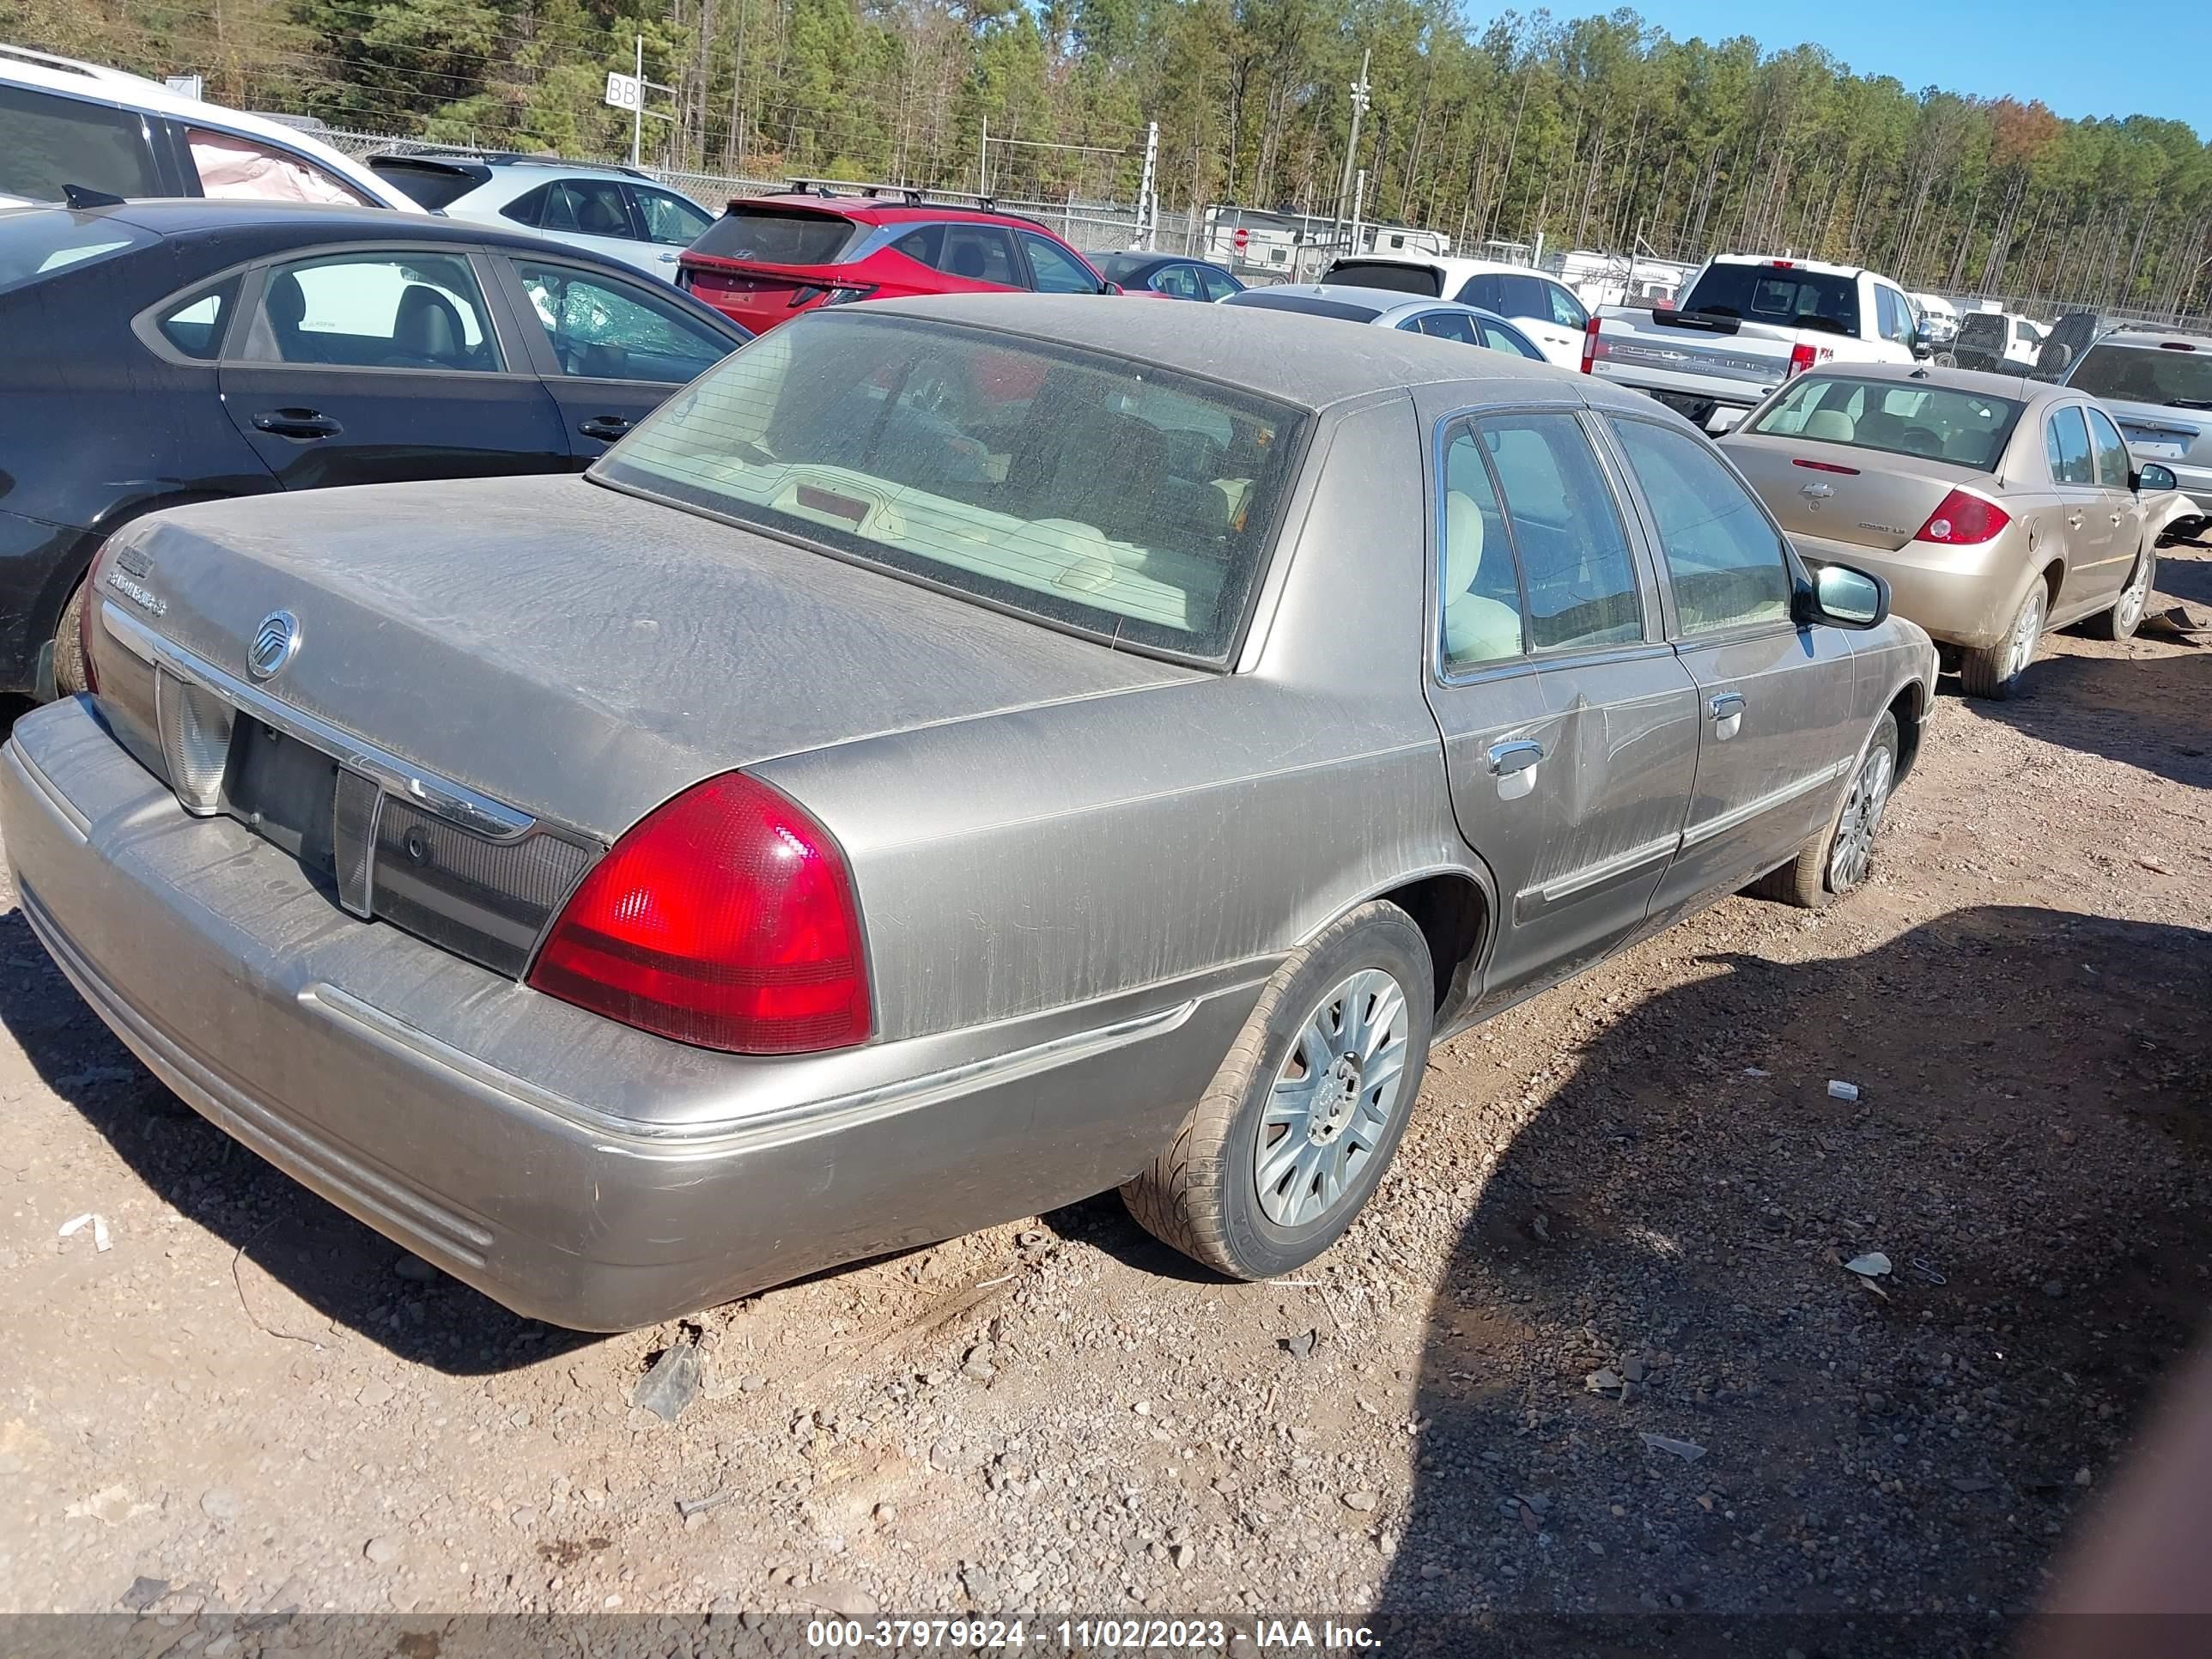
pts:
[1333, 1099]
[2027, 633]
[1862, 820]
[2129, 612]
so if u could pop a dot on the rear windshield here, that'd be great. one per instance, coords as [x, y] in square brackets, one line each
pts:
[777, 235]
[1115, 498]
[1782, 295]
[1120, 267]
[1426, 281]
[1268, 300]
[1965, 429]
[433, 187]
[2178, 377]
[36, 242]
[48, 142]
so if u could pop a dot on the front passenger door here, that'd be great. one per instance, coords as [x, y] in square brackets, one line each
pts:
[1777, 729]
[381, 365]
[2117, 516]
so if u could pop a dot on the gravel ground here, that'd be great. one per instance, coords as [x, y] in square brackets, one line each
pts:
[1592, 1351]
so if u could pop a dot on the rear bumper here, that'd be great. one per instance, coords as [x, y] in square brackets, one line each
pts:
[1964, 596]
[576, 1171]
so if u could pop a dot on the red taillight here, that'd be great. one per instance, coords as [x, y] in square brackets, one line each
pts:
[1964, 520]
[725, 919]
[1592, 347]
[1802, 356]
[1826, 466]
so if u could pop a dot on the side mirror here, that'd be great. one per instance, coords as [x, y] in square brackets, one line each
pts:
[2054, 358]
[1840, 597]
[1924, 341]
[2153, 478]
[1111, 287]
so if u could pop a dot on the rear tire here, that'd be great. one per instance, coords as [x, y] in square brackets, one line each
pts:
[2126, 615]
[1835, 862]
[1359, 997]
[71, 675]
[1996, 672]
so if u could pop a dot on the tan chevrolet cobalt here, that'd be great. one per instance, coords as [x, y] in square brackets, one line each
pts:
[1996, 506]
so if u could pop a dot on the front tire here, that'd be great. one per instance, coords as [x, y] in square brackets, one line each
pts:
[2126, 615]
[1995, 672]
[1292, 1136]
[1832, 864]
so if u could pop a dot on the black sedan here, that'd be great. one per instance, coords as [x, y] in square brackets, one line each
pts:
[1173, 275]
[173, 352]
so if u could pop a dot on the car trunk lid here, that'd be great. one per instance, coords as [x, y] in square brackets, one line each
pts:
[1861, 497]
[578, 654]
[763, 260]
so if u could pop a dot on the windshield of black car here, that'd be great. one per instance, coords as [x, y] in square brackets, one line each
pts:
[1785, 296]
[1424, 281]
[1117, 498]
[1939, 423]
[2176, 377]
[1312, 304]
[36, 242]
[777, 235]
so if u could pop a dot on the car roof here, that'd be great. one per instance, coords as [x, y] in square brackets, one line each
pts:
[466, 160]
[1312, 362]
[2018, 387]
[91, 82]
[1788, 262]
[893, 210]
[1454, 269]
[2151, 337]
[1385, 302]
[186, 218]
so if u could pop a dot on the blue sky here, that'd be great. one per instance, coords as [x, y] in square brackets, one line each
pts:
[2082, 59]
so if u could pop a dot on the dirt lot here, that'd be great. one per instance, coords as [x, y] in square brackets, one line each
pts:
[250, 1402]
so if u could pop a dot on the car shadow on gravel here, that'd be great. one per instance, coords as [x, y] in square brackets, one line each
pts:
[301, 1266]
[1660, 1252]
[2151, 712]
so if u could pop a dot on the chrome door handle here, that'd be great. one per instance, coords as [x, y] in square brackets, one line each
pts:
[2073, 521]
[2116, 517]
[1508, 758]
[1725, 703]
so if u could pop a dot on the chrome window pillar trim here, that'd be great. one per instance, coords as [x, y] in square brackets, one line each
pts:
[455, 803]
[1706, 828]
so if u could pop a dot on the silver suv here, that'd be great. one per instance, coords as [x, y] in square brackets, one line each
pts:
[2157, 383]
[617, 211]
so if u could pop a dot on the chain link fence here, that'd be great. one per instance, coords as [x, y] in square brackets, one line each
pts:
[1100, 227]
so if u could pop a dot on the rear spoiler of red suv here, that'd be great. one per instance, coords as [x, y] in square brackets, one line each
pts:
[904, 195]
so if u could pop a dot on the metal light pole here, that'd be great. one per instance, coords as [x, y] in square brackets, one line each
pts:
[1359, 101]
[637, 115]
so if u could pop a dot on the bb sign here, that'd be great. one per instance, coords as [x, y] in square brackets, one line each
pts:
[625, 91]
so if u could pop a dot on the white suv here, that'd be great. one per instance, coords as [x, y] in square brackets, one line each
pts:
[78, 131]
[624, 214]
[1546, 310]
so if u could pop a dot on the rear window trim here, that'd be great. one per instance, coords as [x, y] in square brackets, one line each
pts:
[1272, 554]
[861, 237]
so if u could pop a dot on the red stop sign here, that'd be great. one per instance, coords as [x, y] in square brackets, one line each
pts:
[1243, 238]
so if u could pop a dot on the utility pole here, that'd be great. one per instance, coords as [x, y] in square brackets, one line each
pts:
[1358, 205]
[983, 161]
[1359, 101]
[1148, 206]
[637, 115]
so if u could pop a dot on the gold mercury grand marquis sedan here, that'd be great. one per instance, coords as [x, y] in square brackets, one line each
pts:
[1997, 508]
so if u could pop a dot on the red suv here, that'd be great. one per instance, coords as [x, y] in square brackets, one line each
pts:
[769, 258]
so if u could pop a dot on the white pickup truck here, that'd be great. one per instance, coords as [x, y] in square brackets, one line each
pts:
[1746, 324]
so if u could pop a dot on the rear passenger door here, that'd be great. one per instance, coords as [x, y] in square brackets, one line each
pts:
[2081, 503]
[1777, 725]
[374, 365]
[584, 212]
[1570, 729]
[979, 257]
[610, 349]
